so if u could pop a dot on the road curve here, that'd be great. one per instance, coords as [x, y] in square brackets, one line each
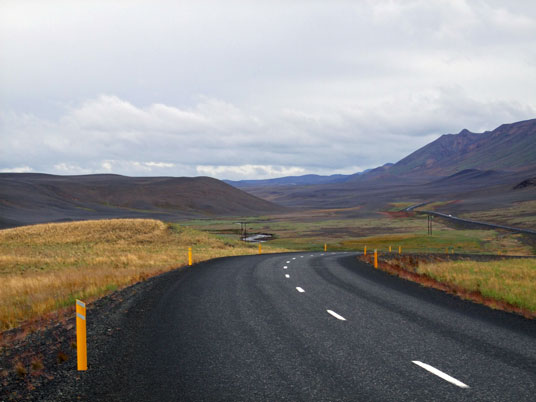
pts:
[311, 327]
[470, 221]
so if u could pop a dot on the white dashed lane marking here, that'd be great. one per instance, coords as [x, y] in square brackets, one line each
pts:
[287, 276]
[300, 289]
[440, 374]
[337, 316]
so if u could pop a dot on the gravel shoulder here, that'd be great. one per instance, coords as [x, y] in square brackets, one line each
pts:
[38, 362]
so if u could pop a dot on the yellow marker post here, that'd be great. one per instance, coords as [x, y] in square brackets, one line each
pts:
[399, 249]
[325, 247]
[189, 256]
[389, 248]
[375, 258]
[81, 342]
[365, 251]
[260, 248]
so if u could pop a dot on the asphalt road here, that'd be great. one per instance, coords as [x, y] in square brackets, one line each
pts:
[312, 327]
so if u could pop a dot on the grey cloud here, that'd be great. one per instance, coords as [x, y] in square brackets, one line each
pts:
[258, 88]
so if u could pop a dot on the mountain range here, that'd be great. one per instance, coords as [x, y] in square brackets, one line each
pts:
[471, 170]
[509, 148]
[464, 166]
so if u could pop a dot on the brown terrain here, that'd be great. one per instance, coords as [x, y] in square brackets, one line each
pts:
[35, 198]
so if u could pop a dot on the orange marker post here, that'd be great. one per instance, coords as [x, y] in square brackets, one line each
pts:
[189, 256]
[375, 258]
[325, 247]
[389, 248]
[260, 248]
[365, 251]
[81, 341]
[399, 249]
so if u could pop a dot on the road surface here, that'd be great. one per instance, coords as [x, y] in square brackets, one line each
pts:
[312, 327]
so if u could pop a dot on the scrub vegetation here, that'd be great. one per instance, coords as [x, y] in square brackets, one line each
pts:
[46, 267]
[512, 281]
[520, 214]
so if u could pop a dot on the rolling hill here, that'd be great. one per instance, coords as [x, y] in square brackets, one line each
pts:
[484, 166]
[33, 198]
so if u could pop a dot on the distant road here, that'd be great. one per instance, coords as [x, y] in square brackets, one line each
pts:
[311, 327]
[455, 218]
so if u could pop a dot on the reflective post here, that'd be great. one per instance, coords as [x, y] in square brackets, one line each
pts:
[81, 341]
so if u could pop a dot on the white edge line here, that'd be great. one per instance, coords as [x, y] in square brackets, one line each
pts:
[285, 267]
[337, 316]
[439, 373]
[287, 276]
[300, 289]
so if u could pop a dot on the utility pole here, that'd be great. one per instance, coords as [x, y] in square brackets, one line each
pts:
[243, 230]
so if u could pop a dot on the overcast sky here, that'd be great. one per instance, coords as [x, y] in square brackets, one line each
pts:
[254, 89]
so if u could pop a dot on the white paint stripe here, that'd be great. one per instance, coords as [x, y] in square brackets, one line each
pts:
[337, 316]
[312, 255]
[300, 290]
[293, 258]
[80, 316]
[301, 256]
[439, 373]
[285, 267]
[287, 276]
[288, 262]
[321, 254]
[80, 303]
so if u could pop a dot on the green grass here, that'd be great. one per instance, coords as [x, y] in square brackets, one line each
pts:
[512, 281]
[302, 232]
[521, 214]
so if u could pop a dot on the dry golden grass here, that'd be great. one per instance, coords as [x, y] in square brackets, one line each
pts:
[512, 281]
[46, 267]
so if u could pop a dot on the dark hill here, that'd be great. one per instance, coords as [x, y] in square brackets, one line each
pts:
[510, 147]
[460, 166]
[32, 198]
[526, 184]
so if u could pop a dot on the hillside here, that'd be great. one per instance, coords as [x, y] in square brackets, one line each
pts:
[34, 198]
[510, 147]
[484, 168]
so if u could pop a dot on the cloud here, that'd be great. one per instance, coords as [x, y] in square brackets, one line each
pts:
[19, 169]
[255, 89]
[108, 134]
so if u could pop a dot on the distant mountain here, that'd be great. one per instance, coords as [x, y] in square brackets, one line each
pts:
[455, 166]
[510, 147]
[305, 180]
[33, 198]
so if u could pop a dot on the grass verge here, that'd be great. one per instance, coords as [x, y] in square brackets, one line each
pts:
[510, 281]
[46, 267]
[502, 283]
